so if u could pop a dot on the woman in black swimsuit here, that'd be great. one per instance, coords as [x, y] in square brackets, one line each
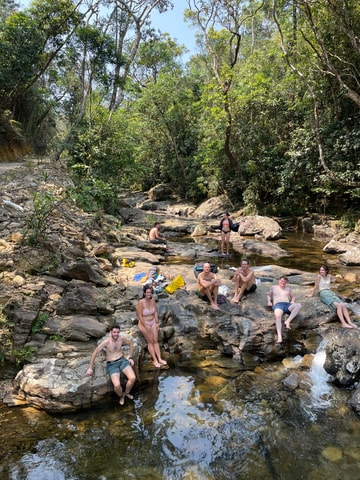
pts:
[226, 225]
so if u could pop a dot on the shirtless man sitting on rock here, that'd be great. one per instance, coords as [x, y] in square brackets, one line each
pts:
[155, 236]
[245, 281]
[282, 300]
[208, 285]
[116, 363]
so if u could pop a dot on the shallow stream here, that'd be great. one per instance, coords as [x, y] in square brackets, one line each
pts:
[186, 423]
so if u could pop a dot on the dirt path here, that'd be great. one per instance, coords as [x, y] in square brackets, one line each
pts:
[5, 166]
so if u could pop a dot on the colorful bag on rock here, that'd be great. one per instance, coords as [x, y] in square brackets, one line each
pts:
[175, 284]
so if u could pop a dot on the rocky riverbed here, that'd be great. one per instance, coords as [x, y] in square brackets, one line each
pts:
[59, 296]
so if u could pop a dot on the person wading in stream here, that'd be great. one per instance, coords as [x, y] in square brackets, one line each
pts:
[226, 225]
[282, 300]
[116, 363]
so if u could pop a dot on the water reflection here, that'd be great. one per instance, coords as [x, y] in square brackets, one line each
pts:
[42, 465]
[305, 254]
[189, 423]
[176, 430]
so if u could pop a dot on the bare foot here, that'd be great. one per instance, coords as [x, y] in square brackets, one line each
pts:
[235, 300]
[157, 365]
[215, 306]
[345, 325]
[287, 325]
[129, 396]
[163, 362]
[122, 399]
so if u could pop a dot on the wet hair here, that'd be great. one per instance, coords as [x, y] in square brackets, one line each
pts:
[115, 326]
[156, 223]
[284, 277]
[245, 260]
[326, 268]
[148, 287]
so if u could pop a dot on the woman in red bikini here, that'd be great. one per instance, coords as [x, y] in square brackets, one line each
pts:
[149, 325]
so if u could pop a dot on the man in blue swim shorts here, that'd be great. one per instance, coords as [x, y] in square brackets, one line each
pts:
[282, 300]
[116, 363]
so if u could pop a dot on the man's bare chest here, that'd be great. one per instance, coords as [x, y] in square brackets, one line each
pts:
[208, 277]
[281, 292]
[114, 346]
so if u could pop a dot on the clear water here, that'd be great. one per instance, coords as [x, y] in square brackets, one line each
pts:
[183, 426]
[189, 423]
[304, 253]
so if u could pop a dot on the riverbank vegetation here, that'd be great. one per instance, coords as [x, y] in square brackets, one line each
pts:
[267, 110]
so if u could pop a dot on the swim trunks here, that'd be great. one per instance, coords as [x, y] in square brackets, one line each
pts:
[117, 366]
[251, 289]
[284, 306]
[159, 241]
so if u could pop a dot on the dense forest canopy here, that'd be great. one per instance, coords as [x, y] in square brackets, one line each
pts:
[267, 111]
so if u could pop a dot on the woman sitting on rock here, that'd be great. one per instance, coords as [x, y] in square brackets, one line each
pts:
[327, 296]
[149, 325]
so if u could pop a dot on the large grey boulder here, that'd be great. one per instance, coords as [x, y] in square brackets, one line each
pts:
[351, 256]
[87, 271]
[354, 401]
[347, 248]
[212, 208]
[267, 249]
[265, 227]
[343, 356]
[160, 192]
[59, 385]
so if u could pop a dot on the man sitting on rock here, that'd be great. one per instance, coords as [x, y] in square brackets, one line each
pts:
[282, 300]
[116, 363]
[155, 236]
[245, 282]
[208, 285]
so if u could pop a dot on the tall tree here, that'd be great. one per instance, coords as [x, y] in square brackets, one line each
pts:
[334, 54]
[7, 8]
[223, 47]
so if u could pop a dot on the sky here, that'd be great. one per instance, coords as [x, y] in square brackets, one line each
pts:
[172, 22]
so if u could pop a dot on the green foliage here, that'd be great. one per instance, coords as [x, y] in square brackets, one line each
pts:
[37, 222]
[24, 355]
[168, 131]
[92, 194]
[101, 158]
[57, 338]
[150, 219]
[238, 118]
[21, 44]
[6, 332]
[349, 219]
[40, 321]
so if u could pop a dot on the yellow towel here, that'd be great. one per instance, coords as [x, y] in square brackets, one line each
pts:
[175, 284]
